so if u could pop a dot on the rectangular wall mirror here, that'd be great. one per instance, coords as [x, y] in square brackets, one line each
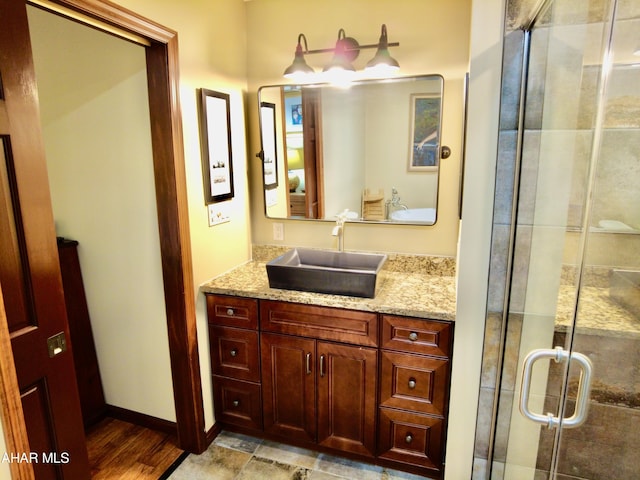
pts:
[373, 148]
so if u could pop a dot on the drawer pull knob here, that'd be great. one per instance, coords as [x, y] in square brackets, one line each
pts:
[408, 438]
[230, 312]
[413, 336]
[234, 352]
[236, 403]
[412, 383]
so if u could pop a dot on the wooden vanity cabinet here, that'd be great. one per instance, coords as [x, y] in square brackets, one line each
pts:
[316, 390]
[414, 391]
[235, 360]
[368, 384]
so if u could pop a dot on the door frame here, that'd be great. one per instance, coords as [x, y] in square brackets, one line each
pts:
[173, 225]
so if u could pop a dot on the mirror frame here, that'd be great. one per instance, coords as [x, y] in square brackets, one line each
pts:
[443, 151]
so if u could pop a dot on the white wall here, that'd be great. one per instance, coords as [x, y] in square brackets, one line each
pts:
[93, 98]
[212, 44]
[344, 159]
[475, 232]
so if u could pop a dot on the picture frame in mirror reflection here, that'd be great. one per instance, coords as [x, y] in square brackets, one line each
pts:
[215, 141]
[425, 132]
[269, 145]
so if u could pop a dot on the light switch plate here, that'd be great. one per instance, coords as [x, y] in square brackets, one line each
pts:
[217, 214]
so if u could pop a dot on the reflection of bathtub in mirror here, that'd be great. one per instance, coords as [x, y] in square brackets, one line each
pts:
[422, 215]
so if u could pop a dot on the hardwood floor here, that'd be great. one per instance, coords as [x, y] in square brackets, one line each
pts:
[121, 450]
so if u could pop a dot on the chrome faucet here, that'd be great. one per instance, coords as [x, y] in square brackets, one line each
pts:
[394, 203]
[338, 230]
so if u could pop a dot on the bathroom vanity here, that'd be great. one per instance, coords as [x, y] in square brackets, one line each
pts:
[367, 378]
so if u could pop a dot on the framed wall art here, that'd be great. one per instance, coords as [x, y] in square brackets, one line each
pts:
[424, 154]
[215, 139]
[269, 150]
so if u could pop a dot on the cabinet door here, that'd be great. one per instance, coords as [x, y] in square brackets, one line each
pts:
[347, 382]
[288, 382]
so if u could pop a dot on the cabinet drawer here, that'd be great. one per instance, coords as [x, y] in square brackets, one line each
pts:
[234, 353]
[411, 438]
[232, 311]
[238, 403]
[326, 323]
[415, 335]
[414, 382]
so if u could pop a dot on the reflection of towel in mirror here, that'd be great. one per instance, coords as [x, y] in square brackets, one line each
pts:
[614, 225]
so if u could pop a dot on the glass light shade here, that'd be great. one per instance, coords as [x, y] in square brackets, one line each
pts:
[299, 66]
[339, 63]
[345, 52]
[383, 63]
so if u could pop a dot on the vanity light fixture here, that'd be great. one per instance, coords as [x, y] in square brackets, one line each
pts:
[299, 65]
[345, 51]
[383, 61]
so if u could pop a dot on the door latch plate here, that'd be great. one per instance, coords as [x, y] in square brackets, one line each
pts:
[57, 344]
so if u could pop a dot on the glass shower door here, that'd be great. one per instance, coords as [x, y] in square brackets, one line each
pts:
[573, 338]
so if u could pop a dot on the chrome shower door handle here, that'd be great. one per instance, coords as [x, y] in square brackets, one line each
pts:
[558, 354]
[584, 390]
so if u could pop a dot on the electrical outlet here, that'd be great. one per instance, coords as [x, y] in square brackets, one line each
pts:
[278, 231]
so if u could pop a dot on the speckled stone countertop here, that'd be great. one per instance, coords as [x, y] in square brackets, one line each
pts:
[408, 285]
[598, 314]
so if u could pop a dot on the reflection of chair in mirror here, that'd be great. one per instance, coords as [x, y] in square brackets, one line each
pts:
[373, 204]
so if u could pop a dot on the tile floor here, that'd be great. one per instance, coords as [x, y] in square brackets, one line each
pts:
[232, 456]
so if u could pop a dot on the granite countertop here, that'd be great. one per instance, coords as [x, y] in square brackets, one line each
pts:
[598, 313]
[423, 287]
[412, 294]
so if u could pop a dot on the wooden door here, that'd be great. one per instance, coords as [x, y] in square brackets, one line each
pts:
[29, 268]
[313, 160]
[347, 385]
[288, 386]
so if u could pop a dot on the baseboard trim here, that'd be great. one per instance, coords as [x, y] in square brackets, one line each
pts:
[212, 433]
[142, 419]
